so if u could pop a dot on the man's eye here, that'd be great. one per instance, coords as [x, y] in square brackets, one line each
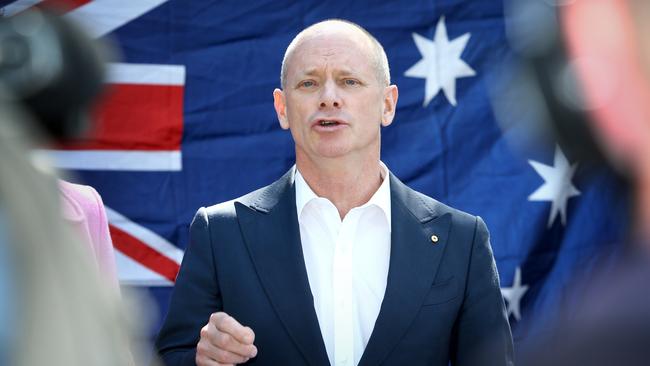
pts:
[307, 84]
[351, 82]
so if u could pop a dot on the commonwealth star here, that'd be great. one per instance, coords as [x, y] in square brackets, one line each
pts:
[441, 64]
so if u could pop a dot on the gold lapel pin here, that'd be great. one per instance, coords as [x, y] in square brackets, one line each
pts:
[434, 238]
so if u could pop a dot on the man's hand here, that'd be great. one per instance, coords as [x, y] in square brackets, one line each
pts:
[224, 342]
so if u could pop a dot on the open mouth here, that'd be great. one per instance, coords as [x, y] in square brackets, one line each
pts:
[328, 123]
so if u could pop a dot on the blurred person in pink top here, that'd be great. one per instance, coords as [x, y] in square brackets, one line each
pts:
[84, 210]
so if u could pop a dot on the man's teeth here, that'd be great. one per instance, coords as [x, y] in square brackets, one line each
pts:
[328, 123]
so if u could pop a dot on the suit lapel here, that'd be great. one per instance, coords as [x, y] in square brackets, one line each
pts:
[414, 261]
[271, 232]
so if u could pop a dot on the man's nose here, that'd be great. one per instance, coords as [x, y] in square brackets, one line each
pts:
[330, 96]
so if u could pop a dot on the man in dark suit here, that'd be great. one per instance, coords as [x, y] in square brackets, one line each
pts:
[337, 262]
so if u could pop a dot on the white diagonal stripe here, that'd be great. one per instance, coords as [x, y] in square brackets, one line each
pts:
[18, 6]
[132, 273]
[100, 17]
[148, 237]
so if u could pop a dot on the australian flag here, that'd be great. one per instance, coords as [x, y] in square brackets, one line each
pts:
[188, 121]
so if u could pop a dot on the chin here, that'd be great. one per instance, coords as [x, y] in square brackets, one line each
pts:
[333, 151]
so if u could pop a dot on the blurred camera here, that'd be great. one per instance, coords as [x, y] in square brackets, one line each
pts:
[51, 69]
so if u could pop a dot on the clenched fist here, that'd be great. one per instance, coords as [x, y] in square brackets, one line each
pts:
[224, 342]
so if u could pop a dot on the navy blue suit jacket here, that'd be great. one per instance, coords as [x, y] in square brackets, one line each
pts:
[442, 301]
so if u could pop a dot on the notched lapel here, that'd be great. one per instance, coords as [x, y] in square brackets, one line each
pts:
[414, 262]
[272, 235]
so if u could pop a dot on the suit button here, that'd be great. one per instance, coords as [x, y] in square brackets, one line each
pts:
[434, 238]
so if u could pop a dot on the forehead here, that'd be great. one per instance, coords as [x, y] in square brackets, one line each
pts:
[333, 49]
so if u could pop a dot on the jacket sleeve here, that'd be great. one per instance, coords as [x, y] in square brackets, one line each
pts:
[196, 295]
[482, 334]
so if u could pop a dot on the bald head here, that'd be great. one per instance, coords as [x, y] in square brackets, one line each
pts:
[334, 26]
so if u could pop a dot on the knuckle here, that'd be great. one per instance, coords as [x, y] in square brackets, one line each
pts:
[229, 321]
[214, 317]
[205, 332]
[200, 349]
[250, 334]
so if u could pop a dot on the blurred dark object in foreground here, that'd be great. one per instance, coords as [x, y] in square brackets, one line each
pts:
[581, 74]
[544, 82]
[582, 77]
[50, 68]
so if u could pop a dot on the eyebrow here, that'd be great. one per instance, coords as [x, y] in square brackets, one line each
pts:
[310, 72]
[341, 72]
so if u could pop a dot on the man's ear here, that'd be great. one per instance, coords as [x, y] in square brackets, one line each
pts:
[390, 102]
[280, 104]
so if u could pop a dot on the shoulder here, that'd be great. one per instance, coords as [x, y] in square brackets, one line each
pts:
[79, 193]
[262, 200]
[426, 208]
[226, 210]
[79, 201]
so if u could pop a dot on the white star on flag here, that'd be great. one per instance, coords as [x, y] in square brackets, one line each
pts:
[440, 64]
[514, 294]
[557, 187]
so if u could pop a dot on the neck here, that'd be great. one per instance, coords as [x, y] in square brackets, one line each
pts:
[347, 183]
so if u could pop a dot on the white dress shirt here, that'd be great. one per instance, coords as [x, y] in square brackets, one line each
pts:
[347, 266]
